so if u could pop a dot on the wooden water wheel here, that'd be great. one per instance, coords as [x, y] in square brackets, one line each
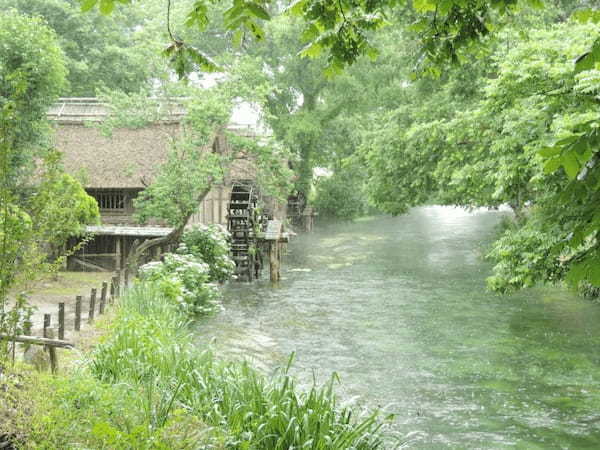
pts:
[244, 222]
[295, 207]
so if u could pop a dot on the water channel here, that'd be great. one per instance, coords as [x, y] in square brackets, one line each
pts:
[398, 308]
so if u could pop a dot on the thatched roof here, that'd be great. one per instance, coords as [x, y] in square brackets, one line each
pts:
[130, 158]
[90, 109]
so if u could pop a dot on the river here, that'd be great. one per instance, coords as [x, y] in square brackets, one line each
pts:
[398, 308]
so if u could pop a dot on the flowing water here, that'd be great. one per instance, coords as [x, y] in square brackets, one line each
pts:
[398, 308]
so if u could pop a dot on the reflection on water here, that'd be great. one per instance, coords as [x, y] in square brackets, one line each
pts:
[398, 308]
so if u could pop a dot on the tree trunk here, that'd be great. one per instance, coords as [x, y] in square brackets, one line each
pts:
[172, 238]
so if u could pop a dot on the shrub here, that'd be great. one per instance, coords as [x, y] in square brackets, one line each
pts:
[210, 244]
[185, 280]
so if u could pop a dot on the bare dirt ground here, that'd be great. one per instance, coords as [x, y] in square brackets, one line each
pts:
[64, 287]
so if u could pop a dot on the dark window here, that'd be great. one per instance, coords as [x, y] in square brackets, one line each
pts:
[114, 200]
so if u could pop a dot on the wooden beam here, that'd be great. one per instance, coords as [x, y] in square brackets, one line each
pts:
[88, 265]
[37, 341]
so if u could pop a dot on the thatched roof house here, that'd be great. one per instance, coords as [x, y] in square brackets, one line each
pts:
[115, 168]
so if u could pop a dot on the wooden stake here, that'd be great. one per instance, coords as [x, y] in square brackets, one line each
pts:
[103, 296]
[92, 305]
[61, 321]
[114, 289]
[52, 352]
[78, 301]
[47, 320]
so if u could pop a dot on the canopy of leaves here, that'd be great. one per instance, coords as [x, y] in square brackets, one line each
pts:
[99, 50]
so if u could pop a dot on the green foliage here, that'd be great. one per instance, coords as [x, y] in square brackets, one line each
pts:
[99, 50]
[184, 280]
[525, 255]
[31, 75]
[60, 205]
[192, 165]
[202, 153]
[211, 245]
[340, 196]
[518, 128]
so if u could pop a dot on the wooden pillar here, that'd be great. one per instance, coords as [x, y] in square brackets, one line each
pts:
[118, 254]
[103, 294]
[92, 309]
[61, 320]
[78, 301]
[274, 261]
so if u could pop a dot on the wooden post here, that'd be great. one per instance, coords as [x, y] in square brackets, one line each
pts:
[78, 301]
[47, 320]
[49, 334]
[273, 261]
[103, 296]
[119, 266]
[52, 352]
[114, 289]
[118, 254]
[61, 321]
[92, 305]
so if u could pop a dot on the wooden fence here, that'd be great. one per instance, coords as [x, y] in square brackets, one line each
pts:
[82, 311]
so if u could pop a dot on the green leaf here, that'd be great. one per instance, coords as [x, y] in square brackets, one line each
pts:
[588, 60]
[552, 165]
[258, 11]
[237, 38]
[536, 4]
[107, 6]
[372, 53]
[198, 16]
[203, 60]
[548, 152]
[577, 272]
[423, 5]
[256, 30]
[87, 5]
[571, 165]
[311, 50]
[296, 8]
[587, 15]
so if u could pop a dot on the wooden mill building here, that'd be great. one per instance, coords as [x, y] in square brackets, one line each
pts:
[115, 169]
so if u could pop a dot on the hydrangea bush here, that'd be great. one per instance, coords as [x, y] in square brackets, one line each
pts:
[210, 243]
[184, 279]
[191, 274]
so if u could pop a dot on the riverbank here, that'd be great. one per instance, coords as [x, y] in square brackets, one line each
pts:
[147, 386]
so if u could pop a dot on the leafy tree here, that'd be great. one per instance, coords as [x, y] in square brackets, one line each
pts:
[99, 50]
[342, 28]
[39, 208]
[340, 196]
